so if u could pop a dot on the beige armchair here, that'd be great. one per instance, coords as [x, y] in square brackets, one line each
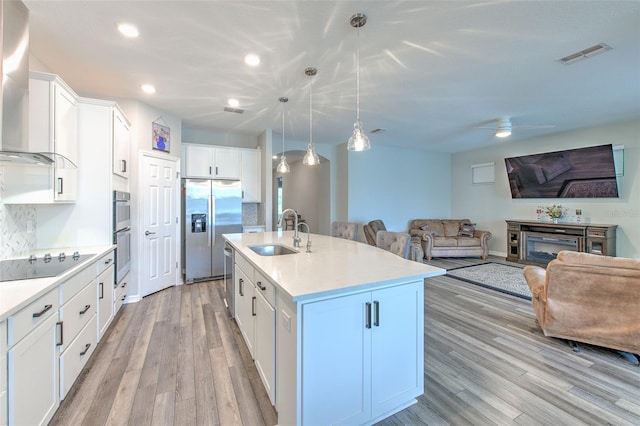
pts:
[346, 230]
[396, 242]
[588, 298]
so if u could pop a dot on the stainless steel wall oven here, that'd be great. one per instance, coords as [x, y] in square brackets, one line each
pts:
[122, 233]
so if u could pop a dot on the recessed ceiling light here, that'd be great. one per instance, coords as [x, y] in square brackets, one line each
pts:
[233, 102]
[128, 30]
[252, 60]
[148, 89]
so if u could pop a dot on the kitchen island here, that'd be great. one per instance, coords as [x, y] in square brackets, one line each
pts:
[337, 334]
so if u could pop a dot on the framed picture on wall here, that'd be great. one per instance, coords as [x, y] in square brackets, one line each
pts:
[161, 136]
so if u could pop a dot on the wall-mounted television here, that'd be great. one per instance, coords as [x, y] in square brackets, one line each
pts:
[574, 173]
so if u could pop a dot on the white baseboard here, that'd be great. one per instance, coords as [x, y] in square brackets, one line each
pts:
[133, 299]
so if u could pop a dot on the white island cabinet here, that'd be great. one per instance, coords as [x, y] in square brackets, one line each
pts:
[348, 323]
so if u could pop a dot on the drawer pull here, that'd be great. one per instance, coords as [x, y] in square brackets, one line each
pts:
[124, 297]
[260, 286]
[124, 284]
[86, 308]
[59, 333]
[39, 314]
[253, 306]
[86, 348]
[100, 290]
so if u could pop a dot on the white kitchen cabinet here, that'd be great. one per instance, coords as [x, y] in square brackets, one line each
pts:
[265, 334]
[121, 142]
[3, 373]
[105, 294]
[244, 304]
[33, 363]
[250, 176]
[255, 315]
[211, 162]
[53, 127]
[120, 294]
[374, 352]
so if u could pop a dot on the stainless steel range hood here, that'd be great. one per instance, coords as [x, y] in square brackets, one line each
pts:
[14, 110]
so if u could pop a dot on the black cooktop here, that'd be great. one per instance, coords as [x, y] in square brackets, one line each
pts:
[41, 267]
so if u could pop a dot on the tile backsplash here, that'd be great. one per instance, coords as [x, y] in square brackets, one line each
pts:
[250, 213]
[17, 227]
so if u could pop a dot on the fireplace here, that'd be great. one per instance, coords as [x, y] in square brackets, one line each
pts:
[544, 248]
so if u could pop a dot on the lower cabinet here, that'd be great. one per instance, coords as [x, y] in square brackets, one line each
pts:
[104, 284]
[75, 356]
[33, 379]
[255, 315]
[361, 354]
[120, 293]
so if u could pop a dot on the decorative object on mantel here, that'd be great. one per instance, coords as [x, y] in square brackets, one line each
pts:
[358, 140]
[283, 166]
[555, 212]
[310, 158]
[160, 135]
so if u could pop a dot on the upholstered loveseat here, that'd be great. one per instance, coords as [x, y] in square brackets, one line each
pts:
[450, 238]
[588, 298]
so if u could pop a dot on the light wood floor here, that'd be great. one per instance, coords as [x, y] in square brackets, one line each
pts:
[176, 358]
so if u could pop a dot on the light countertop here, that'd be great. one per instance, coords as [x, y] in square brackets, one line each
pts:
[14, 295]
[334, 266]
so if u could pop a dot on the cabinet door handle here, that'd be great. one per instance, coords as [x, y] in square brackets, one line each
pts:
[367, 315]
[216, 170]
[209, 169]
[260, 286]
[240, 289]
[376, 313]
[253, 306]
[124, 166]
[86, 348]
[60, 191]
[86, 308]
[101, 287]
[39, 314]
[59, 330]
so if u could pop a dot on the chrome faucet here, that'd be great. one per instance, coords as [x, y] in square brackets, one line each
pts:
[296, 237]
[308, 236]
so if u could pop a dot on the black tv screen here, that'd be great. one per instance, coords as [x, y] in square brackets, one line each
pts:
[574, 173]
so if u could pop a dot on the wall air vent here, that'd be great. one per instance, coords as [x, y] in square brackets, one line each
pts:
[378, 131]
[584, 54]
[236, 110]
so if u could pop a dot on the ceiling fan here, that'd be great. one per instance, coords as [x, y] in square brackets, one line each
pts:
[503, 127]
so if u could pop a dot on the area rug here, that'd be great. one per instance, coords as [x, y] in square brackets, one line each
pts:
[495, 276]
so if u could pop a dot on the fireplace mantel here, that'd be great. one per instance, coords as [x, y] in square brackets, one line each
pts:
[537, 243]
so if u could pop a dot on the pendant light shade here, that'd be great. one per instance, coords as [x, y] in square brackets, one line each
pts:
[358, 140]
[311, 158]
[283, 166]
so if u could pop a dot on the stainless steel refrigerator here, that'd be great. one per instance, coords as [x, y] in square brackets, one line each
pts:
[210, 208]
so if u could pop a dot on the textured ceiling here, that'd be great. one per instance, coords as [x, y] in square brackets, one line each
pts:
[432, 72]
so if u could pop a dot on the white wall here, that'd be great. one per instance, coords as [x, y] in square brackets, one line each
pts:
[489, 205]
[398, 185]
[142, 116]
[217, 137]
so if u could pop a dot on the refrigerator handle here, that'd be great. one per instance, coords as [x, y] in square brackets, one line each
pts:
[211, 212]
[212, 209]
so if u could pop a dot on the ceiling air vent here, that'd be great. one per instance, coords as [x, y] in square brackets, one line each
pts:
[236, 110]
[378, 131]
[584, 54]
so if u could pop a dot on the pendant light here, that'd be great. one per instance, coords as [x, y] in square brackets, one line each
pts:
[283, 167]
[358, 140]
[310, 158]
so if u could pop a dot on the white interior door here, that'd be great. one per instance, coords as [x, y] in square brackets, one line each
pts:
[159, 213]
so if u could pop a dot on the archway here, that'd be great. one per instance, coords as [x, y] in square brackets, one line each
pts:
[305, 189]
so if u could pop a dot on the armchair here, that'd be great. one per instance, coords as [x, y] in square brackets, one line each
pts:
[588, 298]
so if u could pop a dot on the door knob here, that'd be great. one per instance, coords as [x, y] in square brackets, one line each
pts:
[147, 233]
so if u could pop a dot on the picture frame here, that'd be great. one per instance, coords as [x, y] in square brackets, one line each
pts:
[160, 136]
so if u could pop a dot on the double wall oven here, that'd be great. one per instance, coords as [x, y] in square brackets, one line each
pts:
[122, 233]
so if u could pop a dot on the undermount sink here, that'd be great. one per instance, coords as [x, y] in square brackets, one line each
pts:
[272, 250]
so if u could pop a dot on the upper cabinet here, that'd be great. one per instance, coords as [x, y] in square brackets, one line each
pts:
[120, 144]
[205, 161]
[53, 127]
[250, 176]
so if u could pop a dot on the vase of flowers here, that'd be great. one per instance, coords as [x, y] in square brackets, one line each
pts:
[555, 212]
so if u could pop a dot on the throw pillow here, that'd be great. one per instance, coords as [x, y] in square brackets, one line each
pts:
[466, 230]
[426, 228]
